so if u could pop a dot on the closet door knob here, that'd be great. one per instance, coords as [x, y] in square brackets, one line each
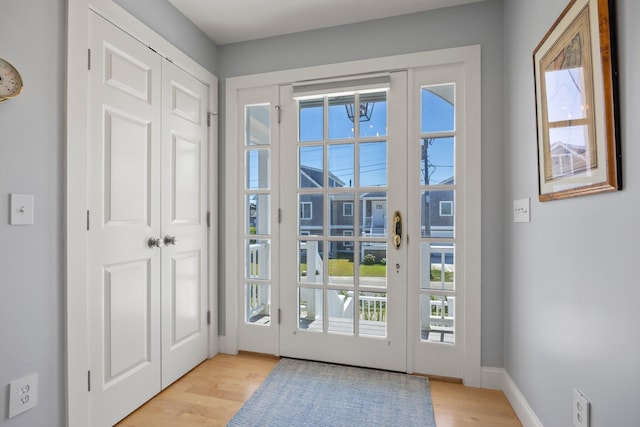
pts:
[154, 242]
[170, 240]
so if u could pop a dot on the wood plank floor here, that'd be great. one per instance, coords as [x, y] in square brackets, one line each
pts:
[215, 390]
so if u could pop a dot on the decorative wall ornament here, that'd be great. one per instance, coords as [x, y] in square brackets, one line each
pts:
[576, 90]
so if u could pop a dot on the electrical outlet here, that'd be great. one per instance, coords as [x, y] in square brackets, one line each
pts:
[23, 394]
[580, 409]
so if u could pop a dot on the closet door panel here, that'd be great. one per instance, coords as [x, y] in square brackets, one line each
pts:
[124, 196]
[184, 204]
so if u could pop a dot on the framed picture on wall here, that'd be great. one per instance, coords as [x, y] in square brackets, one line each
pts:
[576, 103]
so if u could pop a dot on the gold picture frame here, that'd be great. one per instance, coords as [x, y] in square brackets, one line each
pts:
[576, 90]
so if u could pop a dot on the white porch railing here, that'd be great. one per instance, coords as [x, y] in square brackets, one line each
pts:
[315, 264]
[373, 308]
[425, 272]
[438, 317]
[258, 261]
[257, 299]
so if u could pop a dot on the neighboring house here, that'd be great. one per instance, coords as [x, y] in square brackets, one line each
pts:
[567, 159]
[373, 211]
[440, 205]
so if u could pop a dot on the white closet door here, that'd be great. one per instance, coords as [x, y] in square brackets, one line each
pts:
[124, 195]
[184, 227]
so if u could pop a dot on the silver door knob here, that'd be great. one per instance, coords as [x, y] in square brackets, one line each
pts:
[170, 240]
[154, 242]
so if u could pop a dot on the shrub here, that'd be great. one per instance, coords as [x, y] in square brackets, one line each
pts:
[369, 259]
[383, 261]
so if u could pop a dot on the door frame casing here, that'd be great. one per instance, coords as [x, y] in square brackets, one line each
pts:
[77, 331]
[470, 57]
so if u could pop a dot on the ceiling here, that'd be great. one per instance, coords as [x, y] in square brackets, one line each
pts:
[230, 21]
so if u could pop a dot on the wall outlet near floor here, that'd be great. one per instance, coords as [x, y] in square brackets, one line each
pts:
[581, 409]
[23, 394]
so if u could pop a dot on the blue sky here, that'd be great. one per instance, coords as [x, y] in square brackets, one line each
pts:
[437, 115]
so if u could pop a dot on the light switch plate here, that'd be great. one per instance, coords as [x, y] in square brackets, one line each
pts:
[521, 209]
[21, 206]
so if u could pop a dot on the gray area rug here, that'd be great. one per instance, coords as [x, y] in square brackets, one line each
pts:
[303, 393]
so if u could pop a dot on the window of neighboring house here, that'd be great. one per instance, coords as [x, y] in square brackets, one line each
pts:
[347, 233]
[306, 210]
[446, 208]
[562, 164]
[347, 210]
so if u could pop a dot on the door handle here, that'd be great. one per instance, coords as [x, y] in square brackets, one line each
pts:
[170, 240]
[154, 242]
[397, 230]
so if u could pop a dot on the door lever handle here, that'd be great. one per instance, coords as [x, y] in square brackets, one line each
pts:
[170, 240]
[397, 229]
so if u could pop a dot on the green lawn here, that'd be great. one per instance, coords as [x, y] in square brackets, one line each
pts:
[344, 267]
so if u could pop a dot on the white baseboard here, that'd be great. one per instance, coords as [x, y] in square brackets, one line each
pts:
[499, 379]
[222, 344]
[525, 413]
[492, 378]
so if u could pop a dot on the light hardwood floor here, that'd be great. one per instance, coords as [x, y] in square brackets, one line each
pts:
[215, 390]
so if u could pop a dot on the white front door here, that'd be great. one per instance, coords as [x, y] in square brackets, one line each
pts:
[147, 237]
[343, 292]
[320, 269]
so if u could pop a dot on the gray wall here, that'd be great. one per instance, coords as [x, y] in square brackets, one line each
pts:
[565, 283]
[479, 23]
[571, 275]
[31, 161]
[32, 151]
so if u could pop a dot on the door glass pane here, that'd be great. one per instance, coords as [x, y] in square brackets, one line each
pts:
[373, 214]
[341, 165]
[437, 108]
[257, 214]
[257, 124]
[437, 213]
[311, 167]
[373, 114]
[340, 306]
[373, 314]
[258, 303]
[257, 169]
[311, 262]
[311, 120]
[341, 268]
[341, 213]
[437, 267]
[437, 161]
[310, 309]
[373, 164]
[311, 215]
[351, 231]
[257, 259]
[341, 126]
[437, 318]
[373, 264]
